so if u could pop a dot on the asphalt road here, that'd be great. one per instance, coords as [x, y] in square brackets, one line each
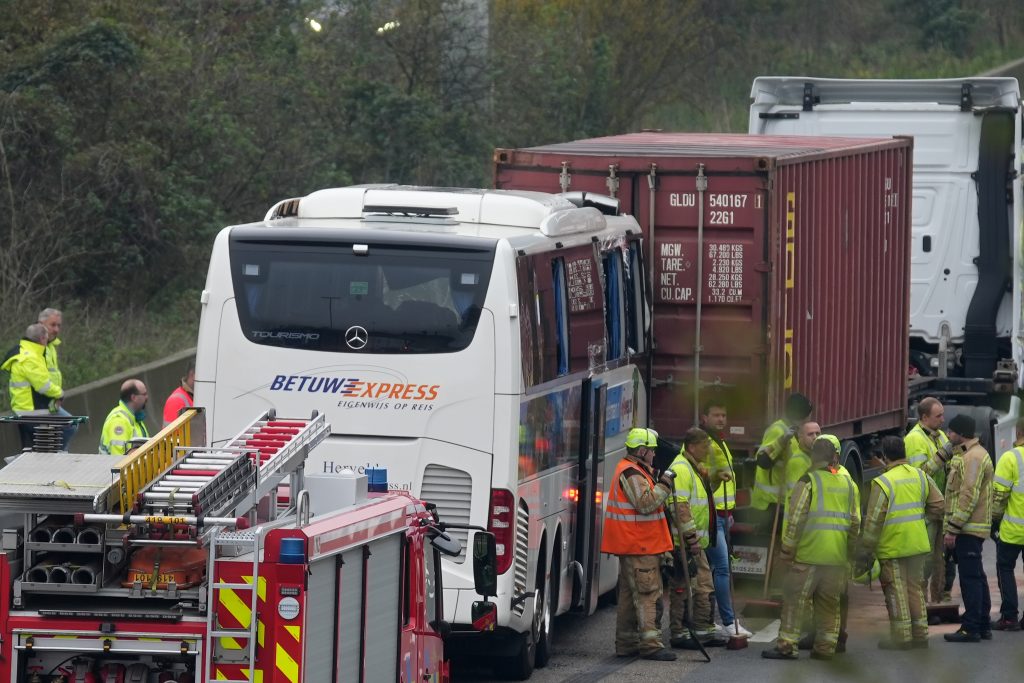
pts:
[583, 653]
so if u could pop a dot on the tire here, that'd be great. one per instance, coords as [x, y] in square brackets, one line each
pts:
[518, 667]
[547, 622]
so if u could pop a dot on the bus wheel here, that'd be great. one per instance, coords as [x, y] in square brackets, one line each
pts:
[546, 622]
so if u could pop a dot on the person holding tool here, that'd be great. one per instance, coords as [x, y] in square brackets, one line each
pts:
[902, 504]
[635, 531]
[693, 527]
[824, 521]
[722, 475]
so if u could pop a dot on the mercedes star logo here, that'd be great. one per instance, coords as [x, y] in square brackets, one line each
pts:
[356, 337]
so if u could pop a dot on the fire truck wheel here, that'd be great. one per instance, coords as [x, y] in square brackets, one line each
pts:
[519, 666]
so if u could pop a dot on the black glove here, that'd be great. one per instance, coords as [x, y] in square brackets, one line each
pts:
[764, 460]
[668, 478]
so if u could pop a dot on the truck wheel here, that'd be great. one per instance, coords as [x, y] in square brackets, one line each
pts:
[547, 620]
[519, 666]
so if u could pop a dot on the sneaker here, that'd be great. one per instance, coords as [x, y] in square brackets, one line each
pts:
[730, 631]
[776, 653]
[889, 644]
[661, 655]
[962, 636]
[1006, 625]
[820, 655]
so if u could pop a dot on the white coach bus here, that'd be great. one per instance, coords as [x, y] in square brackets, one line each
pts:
[487, 348]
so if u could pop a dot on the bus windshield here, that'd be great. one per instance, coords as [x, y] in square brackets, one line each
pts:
[353, 297]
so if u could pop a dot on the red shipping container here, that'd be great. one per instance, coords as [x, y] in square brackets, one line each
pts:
[804, 273]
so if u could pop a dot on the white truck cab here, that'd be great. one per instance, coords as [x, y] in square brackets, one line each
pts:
[965, 315]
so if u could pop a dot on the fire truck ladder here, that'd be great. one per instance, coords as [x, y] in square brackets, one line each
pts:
[213, 481]
[200, 489]
[242, 542]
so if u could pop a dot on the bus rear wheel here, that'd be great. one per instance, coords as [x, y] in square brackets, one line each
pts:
[546, 622]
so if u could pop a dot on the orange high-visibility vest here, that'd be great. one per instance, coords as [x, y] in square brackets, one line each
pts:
[626, 531]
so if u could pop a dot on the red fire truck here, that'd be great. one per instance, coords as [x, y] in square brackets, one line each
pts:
[182, 564]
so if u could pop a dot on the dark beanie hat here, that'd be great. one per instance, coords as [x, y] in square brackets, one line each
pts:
[962, 425]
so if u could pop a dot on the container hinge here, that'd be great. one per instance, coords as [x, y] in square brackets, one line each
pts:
[613, 180]
[810, 99]
[565, 178]
[966, 97]
[764, 267]
[779, 115]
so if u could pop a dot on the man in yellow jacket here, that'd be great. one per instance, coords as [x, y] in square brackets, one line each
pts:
[32, 390]
[929, 448]
[902, 503]
[127, 420]
[693, 524]
[824, 522]
[1008, 527]
[774, 451]
[968, 522]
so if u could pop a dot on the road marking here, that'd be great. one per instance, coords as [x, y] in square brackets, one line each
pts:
[768, 633]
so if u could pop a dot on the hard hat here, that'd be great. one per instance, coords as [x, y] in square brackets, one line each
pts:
[870, 575]
[641, 436]
[832, 440]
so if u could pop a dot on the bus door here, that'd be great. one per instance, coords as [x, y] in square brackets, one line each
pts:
[590, 506]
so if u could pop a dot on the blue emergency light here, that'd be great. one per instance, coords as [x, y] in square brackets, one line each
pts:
[376, 480]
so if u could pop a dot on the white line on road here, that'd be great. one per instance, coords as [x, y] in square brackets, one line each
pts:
[768, 633]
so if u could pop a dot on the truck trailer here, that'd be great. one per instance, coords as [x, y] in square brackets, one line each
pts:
[966, 266]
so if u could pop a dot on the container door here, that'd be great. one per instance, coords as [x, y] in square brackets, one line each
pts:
[730, 278]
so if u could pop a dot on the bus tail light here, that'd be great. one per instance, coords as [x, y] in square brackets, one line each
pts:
[501, 523]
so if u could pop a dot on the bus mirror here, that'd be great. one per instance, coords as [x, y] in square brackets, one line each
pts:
[445, 544]
[485, 564]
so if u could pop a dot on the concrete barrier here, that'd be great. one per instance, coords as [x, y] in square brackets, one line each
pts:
[96, 399]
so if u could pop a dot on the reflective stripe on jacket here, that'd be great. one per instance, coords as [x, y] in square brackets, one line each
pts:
[721, 461]
[689, 502]
[768, 482]
[969, 491]
[30, 385]
[119, 428]
[827, 519]
[1008, 485]
[921, 447]
[627, 530]
[904, 532]
[52, 363]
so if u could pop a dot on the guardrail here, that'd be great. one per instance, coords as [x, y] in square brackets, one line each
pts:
[143, 465]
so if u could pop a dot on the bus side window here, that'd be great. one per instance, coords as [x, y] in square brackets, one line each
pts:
[614, 304]
[636, 306]
[561, 314]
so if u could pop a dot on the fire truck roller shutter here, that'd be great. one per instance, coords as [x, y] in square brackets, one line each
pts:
[382, 610]
[321, 605]
[350, 615]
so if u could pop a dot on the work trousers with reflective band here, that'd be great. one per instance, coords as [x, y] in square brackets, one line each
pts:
[636, 622]
[703, 587]
[819, 587]
[939, 570]
[973, 584]
[1006, 560]
[903, 586]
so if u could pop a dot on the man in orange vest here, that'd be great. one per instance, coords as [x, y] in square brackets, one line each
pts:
[636, 531]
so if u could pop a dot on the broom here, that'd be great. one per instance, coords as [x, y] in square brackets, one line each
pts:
[764, 606]
[736, 641]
